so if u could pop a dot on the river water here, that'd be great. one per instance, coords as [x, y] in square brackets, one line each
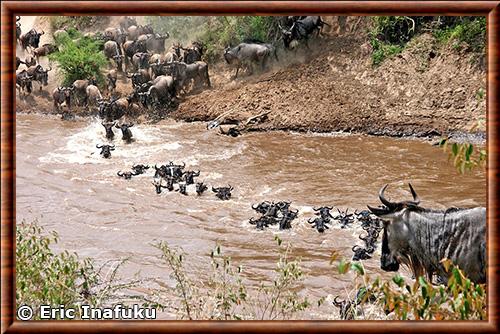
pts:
[64, 183]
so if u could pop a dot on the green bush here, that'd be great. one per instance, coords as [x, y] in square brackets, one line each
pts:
[224, 296]
[79, 57]
[459, 299]
[389, 34]
[47, 278]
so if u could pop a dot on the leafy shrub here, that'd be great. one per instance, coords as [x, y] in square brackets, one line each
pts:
[389, 34]
[459, 299]
[46, 278]
[79, 57]
[227, 298]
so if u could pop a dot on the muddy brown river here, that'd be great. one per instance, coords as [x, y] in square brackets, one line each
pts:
[64, 183]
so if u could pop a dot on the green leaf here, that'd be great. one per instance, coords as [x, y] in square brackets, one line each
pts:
[399, 280]
[343, 266]
[454, 149]
[356, 266]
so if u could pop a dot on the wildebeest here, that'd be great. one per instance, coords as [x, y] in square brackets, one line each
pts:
[19, 62]
[323, 211]
[126, 133]
[127, 21]
[114, 109]
[301, 30]
[139, 169]
[158, 185]
[233, 131]
[286, 221]
[125, 175]
[420, 238]
[62, 95]
[347, 308]
[135, 31]
[156, 42]
[344, 218]
[93, 95]
[248, 54]
[192, 54]
[223, 193]
[190, 175]
[361, 253]
[108, 127]
[18, 28]
[162, 91]
[80, 89]
[24, 82]
[44, 50]
[200, 188]
[140, 77]
[140, 60]
[112, 51]
[130, 48]
[115, 34]
[31, 39]
[39, 75]
[111, 78]
[182, 189]
[184, 74]
[106, 150]
[319, 223]
[29, 61]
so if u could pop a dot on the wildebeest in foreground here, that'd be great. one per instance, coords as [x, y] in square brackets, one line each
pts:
[420, 238]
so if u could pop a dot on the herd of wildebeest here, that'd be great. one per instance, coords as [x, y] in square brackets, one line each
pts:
[158, 76]
[411, 235]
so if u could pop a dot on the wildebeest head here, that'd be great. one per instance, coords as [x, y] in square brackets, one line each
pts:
[109, 129]
[347, 308]
[319, 223]
[126, 133]
[189, 176]
[223, 193]
[393, 210]
[263, 207]
[200, 188]
[395, 236]
[125, 175]
[106, 150]
[158, 185]
[139, 169]
[360, 253]
[324, 212]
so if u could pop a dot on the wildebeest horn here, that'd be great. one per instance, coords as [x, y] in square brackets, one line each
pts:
[43, 32]
[214, 189]
[362, 238]
[118, 173]
[329, 207]
[97, 146]
[353, 247]
[255, 208]
[18, 18]
[382, 198]
[416, 200]
[230, 187]
[316, 209]
[337, 303]
[309, 220]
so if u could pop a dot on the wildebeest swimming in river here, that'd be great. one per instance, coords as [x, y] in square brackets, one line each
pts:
[223, 193]
[126, 133]
[420, 238]
[106, 150]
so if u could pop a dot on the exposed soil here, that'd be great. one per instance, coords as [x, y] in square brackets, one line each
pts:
[427, 90]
